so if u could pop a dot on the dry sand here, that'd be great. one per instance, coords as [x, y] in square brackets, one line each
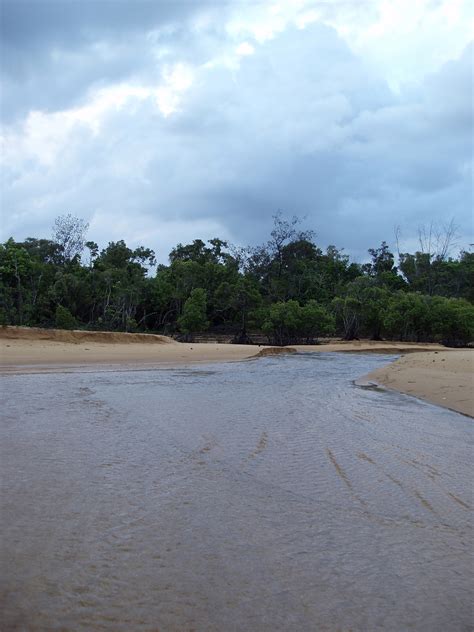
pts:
[441, 377]
[32, 349]
[433, 373]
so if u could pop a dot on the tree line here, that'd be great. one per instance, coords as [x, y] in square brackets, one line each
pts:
[287, 289]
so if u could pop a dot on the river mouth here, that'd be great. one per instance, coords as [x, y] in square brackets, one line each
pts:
[269, 495]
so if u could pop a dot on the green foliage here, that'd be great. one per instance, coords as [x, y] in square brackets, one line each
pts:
[193, 318]
[64, 319]
[420, 317]
[452, 320]
[383, 261]
[407, 317]
[439, 276]
[288, 288]
[316, 321]
[16, 271]
[348, 311]
[288, 322]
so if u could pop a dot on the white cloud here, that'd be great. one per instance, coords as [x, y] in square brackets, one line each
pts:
[245, 49]
[407, 39]
[177, 80]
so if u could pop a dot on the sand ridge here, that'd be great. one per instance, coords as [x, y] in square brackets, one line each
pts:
[76, 336]
[24, 350]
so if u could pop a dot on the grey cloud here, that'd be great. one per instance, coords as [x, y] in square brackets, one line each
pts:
[302, 126]
[54, 51]
[33, 24]
[63, 80]
[343, 143]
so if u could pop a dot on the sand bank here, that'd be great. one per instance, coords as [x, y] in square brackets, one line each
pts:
[29, 349]
[25, 348]
[429, 371]
[441, 377]
[77, 336]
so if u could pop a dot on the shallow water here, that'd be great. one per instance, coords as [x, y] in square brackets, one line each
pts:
[263, 495]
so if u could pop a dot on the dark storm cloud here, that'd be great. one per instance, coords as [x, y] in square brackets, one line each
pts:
[34, 24]
[53, 51]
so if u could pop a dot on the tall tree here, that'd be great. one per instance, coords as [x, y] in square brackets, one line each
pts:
[194, 318]
[70, 233]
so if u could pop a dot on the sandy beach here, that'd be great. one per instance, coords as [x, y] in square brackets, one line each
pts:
[24, 350]
[441, 377]
[427, 371]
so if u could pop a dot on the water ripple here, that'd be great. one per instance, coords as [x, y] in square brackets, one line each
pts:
[269, 495]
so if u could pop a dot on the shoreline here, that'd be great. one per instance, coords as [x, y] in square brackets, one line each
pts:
[428, 371]
[30, 354]
[444, 378]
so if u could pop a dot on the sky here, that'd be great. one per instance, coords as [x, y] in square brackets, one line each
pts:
[164, 121]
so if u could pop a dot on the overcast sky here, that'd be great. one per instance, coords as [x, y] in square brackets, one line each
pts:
[160, 122]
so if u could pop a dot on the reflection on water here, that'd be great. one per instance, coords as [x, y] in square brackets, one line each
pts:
[269, 495]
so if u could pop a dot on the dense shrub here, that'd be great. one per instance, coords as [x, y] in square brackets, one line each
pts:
[64, 319]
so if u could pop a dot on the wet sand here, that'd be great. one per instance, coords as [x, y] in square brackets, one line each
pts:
[429, 371]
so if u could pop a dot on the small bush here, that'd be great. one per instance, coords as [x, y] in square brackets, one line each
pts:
[64, 319]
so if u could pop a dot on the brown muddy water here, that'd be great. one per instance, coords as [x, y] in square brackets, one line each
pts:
[267, 495]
